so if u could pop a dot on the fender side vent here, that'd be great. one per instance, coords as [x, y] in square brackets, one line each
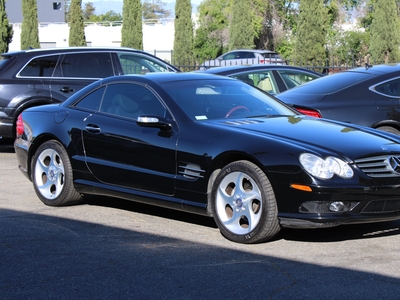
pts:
[191, 171]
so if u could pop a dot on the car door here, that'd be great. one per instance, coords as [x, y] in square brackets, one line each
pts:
[77, 70]
[120, 152]
[136, 63]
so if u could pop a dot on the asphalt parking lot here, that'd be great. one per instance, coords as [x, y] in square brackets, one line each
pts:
[113, 249]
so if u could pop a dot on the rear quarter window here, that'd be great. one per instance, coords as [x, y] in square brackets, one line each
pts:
[139, 64]
[40, 67]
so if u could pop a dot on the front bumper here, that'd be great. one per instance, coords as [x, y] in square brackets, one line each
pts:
[360, 205]
[325, 221]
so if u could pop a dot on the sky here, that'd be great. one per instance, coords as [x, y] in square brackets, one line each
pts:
[103, 6]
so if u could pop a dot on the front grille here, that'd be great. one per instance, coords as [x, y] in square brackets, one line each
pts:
[380, 166]
[382, 206]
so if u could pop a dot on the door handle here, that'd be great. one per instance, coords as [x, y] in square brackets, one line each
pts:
[93, 128]
[66, 89]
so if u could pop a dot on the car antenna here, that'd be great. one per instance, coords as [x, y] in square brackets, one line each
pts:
[367, 66]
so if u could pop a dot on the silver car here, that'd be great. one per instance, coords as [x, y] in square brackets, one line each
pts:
[244, 57]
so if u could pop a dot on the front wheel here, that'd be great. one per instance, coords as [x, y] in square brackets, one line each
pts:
[244, 204]
[389, 129]
[52, 175]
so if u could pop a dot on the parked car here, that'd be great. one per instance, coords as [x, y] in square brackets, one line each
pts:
[243, 57]
[366, 96]
[43, 76]
[209, 145]
[272, 78]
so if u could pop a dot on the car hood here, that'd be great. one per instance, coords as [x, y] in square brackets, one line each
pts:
[319, 135]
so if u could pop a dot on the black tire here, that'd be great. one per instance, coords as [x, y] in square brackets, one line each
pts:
[389, 129]
[244, 205]
[52, 175]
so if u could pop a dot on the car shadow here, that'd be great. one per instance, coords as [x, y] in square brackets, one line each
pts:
[315, 235]
[150, 210]
[48, 257]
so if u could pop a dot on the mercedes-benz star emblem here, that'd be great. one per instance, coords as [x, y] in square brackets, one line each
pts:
[394, 162]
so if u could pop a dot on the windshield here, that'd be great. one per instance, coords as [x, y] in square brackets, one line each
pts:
[216, 99]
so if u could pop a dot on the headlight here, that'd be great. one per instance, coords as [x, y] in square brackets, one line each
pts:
[325, 168]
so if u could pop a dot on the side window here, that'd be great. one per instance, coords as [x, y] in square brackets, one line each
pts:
[138, 64]
[40, 67]
[91, 101]
[263, 80]
[295, 78]
[248, 78]
[229, 56]
[389, 88]
[86, 65]
[130, 101]
[249, 55]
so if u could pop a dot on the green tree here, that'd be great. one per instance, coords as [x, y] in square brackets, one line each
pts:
[132, 31]
[241, 34]
[76, 26]
[263, 32]
[311, 33]
[183, 35]
[154, 9]
[6, 29]
[212, 34]
[29, 27]
[348, 47]
[89, 10]
[67, 4]
[385, 36]
[110, 16]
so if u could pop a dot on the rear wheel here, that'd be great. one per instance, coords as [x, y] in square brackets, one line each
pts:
[244, 204]
[52, 175]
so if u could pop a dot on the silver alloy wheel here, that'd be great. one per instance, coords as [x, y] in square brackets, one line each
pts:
[239, 203]
[49, 174]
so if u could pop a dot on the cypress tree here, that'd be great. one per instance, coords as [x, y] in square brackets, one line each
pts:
[183, 35]
[5, 27]
[311, 32]
[29, 27]
[76, 26]
[241, 35]
[385, 37]
[132, 31]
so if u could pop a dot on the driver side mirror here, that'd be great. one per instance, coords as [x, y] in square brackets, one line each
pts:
[154, 121]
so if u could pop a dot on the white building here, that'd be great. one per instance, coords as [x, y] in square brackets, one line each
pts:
[158, 38]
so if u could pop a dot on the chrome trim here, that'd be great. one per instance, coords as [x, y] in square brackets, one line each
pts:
[380, 166]
[372, 88]
[191, 171]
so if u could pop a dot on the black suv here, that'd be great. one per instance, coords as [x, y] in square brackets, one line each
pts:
[43, 76]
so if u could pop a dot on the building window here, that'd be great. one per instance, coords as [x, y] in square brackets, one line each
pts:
[56, 5]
